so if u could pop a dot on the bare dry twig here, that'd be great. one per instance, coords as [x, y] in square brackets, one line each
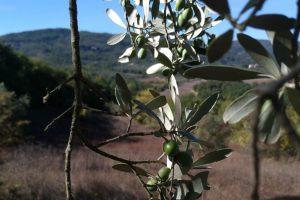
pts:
[57, 118]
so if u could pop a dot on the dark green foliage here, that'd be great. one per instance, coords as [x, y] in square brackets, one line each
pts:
[229, 90]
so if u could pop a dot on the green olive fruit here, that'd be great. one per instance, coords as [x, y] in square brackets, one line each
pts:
[142, 54]
[184, 159]
[182, 21]
[180, 4]
[171, 148]
[187, 13]
[185, 54]
[165, 71]
[197, 43]
[152, 182]
[266, 105]
[163, 173]
[140, 40]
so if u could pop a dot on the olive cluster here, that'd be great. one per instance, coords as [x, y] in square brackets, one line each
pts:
[162, 177]
[182, 158]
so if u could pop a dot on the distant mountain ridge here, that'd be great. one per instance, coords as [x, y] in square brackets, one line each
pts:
[53, 46]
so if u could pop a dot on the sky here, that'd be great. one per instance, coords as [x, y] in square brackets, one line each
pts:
[26, 15]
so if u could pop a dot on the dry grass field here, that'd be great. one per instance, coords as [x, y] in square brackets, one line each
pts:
[37, 172]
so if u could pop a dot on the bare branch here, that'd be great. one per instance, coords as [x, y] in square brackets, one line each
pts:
[255, 193]
[101, 111]
[140, 179]
[50, 93]
[93, 89]
[122, 136]
[57, 118]
[98, 151]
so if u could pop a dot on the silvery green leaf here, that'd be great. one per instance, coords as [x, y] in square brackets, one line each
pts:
[132, 16]
[115, 17]
[259, 54]
[155, 68]
[146, 10]
[115, 39]
[173, 88]
[240, 107]
[191, 51]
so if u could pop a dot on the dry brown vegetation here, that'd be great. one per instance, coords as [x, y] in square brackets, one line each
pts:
[36, 172]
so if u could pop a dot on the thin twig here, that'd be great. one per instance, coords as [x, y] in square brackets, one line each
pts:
[122, 136]
[57, 118]
[98, 151]
[129, 125]
[140, 180]
[93, 89]
[101, 111]
[50, 93]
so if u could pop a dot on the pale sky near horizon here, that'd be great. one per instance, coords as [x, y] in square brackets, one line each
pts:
[20, 15]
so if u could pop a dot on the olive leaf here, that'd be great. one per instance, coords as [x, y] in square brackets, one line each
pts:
[155, 9]
[123, 91]
[155, 68]
[241, 107]
[222, 73]
[282, 46]
[214, 156]
[250, 4]
[177, 111]
[219, 46]
[294, 98]
[259, 54]
[115, 17]
[202, 110]
[219, 6]
[153, 104]
[272, 22]
[269, 126]
[115, 39]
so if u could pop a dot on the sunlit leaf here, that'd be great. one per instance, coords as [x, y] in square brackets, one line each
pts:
[241, 107]
[163, 58]
[123, 91]
[222, 73]
[219, 6]
[294, 98]
[132, 16]
[155, 68]
[219, 46]
[173, 88]
[166, 108]
[214, 156]
[115, 17]
[199, 13]
[203, 109]
[272, 22]
[126, 168]
[259, 54]
[115, 39]
[191, 51]
[146, 10]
